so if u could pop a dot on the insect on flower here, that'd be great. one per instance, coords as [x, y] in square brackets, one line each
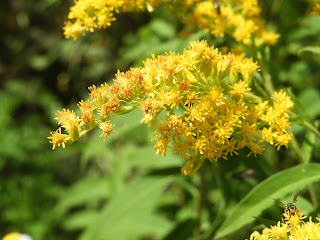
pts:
[290, 208]
[216, 6]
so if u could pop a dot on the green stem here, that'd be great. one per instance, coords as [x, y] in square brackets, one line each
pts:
[311, 128]
[264, 69]
[267, 78]
[84, 132]
[313, 196]
[306, 124]
[200, 202]
[296, 148]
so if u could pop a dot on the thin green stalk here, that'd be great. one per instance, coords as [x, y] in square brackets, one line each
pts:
[296, 148]
[200, 202]
[311, 128]
[313, 196]
[306, 124]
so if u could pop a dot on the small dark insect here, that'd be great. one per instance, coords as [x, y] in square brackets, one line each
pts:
[216, 6]
[290, 208]
[243, 175]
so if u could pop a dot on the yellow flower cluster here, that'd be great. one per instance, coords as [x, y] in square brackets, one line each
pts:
[240, 19]
[292, 228]
[87, 15]
[209, 109]
[316, 9]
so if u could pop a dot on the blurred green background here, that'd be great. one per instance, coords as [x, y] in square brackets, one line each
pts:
[120, 189]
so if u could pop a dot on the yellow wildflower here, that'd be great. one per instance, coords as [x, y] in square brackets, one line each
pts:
[240, 19]
[107, 129]
[239, 89]
[87, 15]
[87, 116]
[58, 139]
[216, 117]
[292, 227]
[69, 120]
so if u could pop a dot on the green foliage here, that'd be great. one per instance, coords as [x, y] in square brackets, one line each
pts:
[258, 199]
[119, 188]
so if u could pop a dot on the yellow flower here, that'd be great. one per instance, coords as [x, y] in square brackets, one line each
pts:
[239, 89]
[87, 116]
[69, 120]
[87, 15]
[107, 129]
[161, 145]
[240, 19]
[316, 9]
[58, 139]
[279, 231]
[292, 228]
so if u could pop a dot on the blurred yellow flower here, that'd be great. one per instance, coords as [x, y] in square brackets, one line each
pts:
[316, 9]
[240, 19]
[87, 15]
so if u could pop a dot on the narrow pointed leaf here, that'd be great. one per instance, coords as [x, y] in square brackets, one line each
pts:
[312, 49]
[258, 199]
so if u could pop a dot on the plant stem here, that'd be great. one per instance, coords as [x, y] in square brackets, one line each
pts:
[296, 148]
[313, 196]
[200, 202]
[310, 127]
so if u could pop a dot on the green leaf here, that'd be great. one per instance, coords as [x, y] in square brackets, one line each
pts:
[183, 230]
[132, 210]
[276, 186]
[311, 49]
[307, 146]
[299, 108]
[87, 190]
[266, 222]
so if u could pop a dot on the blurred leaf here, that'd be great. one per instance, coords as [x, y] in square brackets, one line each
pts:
[299, 108]
[124, 124]
[310, 98]
[162, 28]
[307, 146]
[266, 222]
[80, 220]
[312, 49]
[183, 230]
[258, 199]
[39, 62]
[147, 158]
[90, 189]
[129, 214]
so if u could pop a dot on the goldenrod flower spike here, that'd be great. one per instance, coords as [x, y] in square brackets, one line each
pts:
[219, 116]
